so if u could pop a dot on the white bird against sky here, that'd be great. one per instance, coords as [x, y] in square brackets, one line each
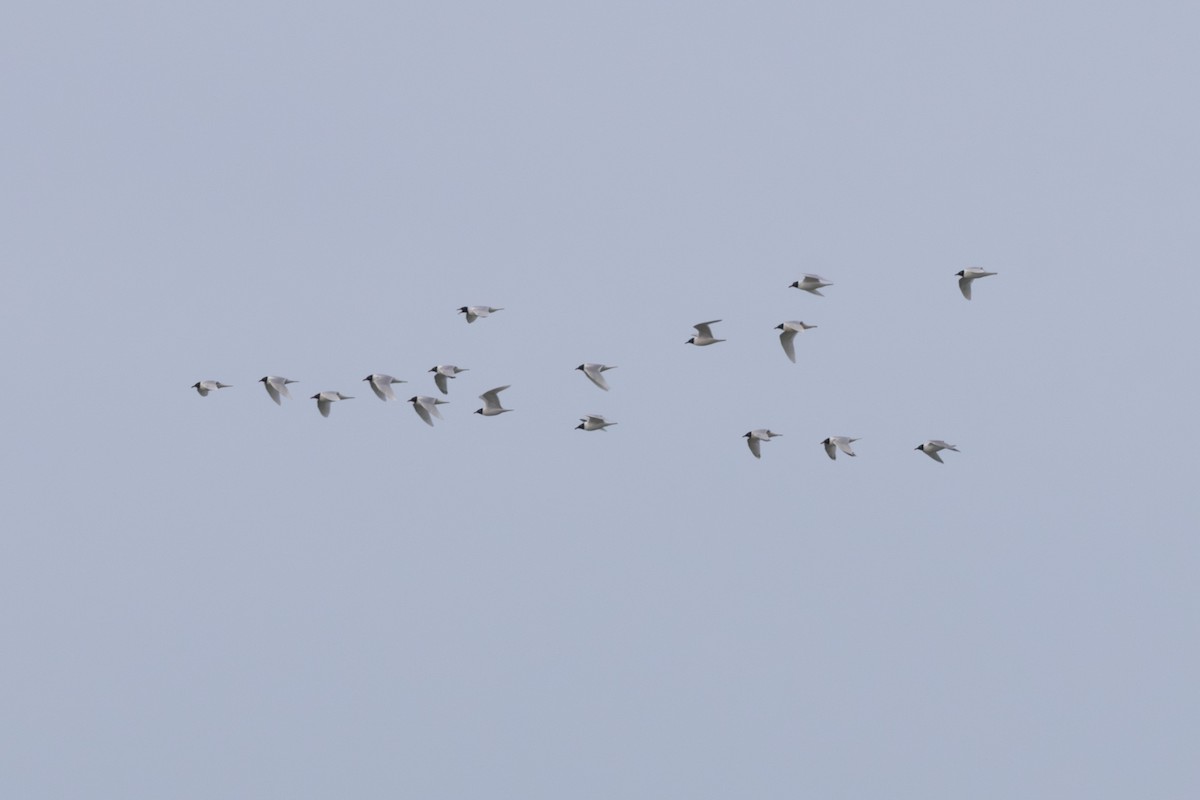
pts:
[491, 402]
[756, 437]
[442, 372]
[704, 335]
[835, 443]
[592, 371]
[475, 312]
[381, 385]
[204, 387]
[593, 422]
[276, 387]
[968, 276]
[788, 337]
[933, 447]
[427, 408]
[325, 401]
[811, 283]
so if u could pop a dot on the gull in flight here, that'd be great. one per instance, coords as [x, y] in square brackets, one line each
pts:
[967, 276]
[204, 387]
[811, 283]
[427, 406]
[704, 334]
[443, 371]
[788, 337]
[326, 399]
[593, 373]
[755, 437]
[593, 422]
[932, 447]
[475, 312]
[381, 385]
[491, 402]
[835, 443]
[276, 387]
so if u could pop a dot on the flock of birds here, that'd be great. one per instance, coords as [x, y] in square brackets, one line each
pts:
[426, 406]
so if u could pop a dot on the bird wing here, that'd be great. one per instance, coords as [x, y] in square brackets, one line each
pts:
[844, 444]
[829, 449]
[964, 286]
[440, 380]
[273, 390]
[788, 340]
[423, 412]
[323, 406]
[703, 329]
[755, 446]
[379, 390]
[491, 398]
[593, 373]
[933, 454]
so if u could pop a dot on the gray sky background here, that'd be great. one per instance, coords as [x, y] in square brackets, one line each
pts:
[221, 598]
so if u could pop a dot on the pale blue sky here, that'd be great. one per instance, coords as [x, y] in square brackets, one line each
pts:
[219, 597]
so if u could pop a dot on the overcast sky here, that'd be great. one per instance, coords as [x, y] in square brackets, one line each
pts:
[221, 598]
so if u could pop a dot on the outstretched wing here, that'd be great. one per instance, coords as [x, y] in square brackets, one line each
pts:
[788, 340]
[755, 446]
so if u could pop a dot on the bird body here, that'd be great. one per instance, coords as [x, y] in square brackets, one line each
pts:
[967, 276]
[592, 371]
[276, 387]
[593, 422]
[756, 437]
[704, 335]
[491, 402]
[933, 446]
[325, 400]
[427, 408]
[835, 443]
[204, 387]
[381, 385]
[475, 312]
[812, 284]
[442, 372]
[788, 337]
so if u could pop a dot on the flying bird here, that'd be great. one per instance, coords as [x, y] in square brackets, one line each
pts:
[835, 443]
[475, 312]
[932, 447]
[381, 385]
[788, 337]
[811, 283]
[427, 408]
[443, 371]
[204, 387]
[325, 400]
[276, 387]
[967, 276]
[592, 371]
[704, 335]
[491, 402]
[593, 422]
[755, 437]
